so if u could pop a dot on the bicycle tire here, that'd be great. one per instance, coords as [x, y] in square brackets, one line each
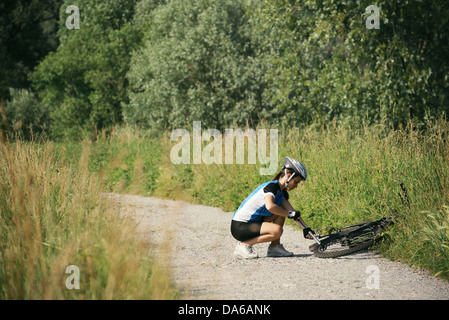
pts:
[318, 251]
[315, 248]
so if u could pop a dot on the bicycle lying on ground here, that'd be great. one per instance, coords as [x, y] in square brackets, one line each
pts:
[346, 240]
[349, 239]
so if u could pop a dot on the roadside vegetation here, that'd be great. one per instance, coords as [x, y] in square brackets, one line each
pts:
[55, 215]
[89, 111]
[354, 175]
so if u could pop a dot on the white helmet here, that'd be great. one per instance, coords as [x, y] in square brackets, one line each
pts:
[297, 167]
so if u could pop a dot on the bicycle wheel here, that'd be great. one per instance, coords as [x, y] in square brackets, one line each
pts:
[352, 239]
[336, 249]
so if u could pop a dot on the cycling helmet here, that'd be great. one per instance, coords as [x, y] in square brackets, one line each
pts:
[297, 167]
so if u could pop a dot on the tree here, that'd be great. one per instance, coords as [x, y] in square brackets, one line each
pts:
[26, 115]
[27, 34]
[327, 64]
[198, 62]
[83, 81]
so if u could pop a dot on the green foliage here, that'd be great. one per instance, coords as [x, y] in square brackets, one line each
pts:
[126, 158]
[197, 62]
[26, 115]
[53, 216]
[84, 80]
[335, 89]
[27, 33]
[327, 64]
[129, 159]
[435, 237]
[354, 175]
[163, 64]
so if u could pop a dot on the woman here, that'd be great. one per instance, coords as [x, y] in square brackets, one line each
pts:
[261, 216]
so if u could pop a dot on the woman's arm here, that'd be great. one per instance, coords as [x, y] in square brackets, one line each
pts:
[274, 208]
[287, 206]
[282, 210]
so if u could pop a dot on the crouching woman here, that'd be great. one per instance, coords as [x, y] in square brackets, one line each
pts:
[261, 216]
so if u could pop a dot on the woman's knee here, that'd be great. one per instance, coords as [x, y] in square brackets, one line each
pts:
[272, 229]
[277, 231]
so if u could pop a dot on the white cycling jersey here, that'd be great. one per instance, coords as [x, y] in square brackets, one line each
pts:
[253, 207]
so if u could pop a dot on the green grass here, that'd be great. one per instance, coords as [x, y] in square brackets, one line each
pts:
[354, 176]
[127, 159]
[53, 215]
[50, 193]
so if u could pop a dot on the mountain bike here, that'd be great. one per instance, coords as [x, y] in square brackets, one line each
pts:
[349, 239]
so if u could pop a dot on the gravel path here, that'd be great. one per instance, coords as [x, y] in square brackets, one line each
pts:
[199, 244]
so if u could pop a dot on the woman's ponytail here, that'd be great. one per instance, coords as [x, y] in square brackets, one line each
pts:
[281, 173]
[278, 175]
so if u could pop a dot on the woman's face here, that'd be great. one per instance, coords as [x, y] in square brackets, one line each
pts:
[293, 183]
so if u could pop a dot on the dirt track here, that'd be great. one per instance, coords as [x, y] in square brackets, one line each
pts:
[200, 247]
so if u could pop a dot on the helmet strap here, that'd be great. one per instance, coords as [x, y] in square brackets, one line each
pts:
[287, 180]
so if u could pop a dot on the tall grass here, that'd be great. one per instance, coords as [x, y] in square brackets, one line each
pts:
[126, 159]
[53, 215]
[354, 175]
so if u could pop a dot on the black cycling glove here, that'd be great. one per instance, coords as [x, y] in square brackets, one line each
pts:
[294, 215]
[306, 232]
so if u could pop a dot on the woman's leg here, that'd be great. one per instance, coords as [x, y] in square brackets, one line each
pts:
[270, 231]
[278, 220]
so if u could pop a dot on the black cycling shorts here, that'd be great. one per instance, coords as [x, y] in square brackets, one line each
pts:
[244, 231]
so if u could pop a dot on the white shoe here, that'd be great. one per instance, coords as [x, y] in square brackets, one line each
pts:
[278, 251]
[245, 252]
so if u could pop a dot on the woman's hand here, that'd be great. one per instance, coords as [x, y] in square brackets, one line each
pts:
[306, 233]
[294, 215]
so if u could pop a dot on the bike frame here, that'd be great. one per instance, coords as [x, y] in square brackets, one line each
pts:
[363, 228]
[352, 238]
